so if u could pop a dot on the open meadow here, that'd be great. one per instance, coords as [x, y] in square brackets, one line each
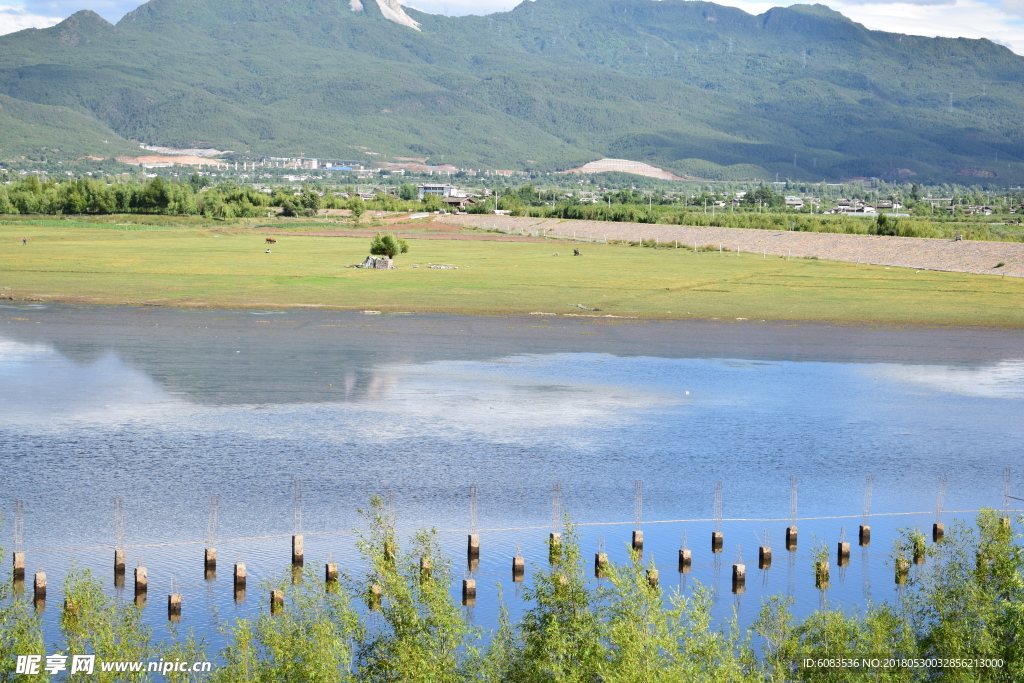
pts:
[197, 265]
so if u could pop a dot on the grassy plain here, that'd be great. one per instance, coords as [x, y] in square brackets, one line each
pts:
[227, 267]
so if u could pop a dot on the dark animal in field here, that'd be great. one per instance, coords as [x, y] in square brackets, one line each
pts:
[577, 252]
[271, 240]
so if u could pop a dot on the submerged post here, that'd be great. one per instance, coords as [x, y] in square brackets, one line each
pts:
[600, 564]
[865, 530]
[19, 566]
[468, 592]
[685, 560]
[554, 546]
[39, 585]
[739, 578]
[174, 607]
[764, 557]
[843, 554]
[141, 580]
[791, 533]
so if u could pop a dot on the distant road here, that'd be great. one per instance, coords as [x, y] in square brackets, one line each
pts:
[906, 252]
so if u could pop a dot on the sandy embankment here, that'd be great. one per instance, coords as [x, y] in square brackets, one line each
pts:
[907, 252]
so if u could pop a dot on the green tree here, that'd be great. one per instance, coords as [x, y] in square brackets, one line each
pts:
[432, 202]
[357, 206]
[310, 200]
[388, 245]
[407, 192]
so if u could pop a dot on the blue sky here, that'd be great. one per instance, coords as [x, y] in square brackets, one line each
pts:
[999, 20]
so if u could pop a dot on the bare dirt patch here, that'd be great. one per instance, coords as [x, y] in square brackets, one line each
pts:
[905, 252]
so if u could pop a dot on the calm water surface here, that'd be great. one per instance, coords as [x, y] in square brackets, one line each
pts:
[166, 408]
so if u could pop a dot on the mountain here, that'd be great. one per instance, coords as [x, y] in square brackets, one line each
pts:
[692, 87]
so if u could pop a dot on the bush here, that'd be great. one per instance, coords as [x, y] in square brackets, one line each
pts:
[388, 245]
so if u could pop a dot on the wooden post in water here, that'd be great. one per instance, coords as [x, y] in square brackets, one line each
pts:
[141, 580]
[638, 541]
[276, 601]
[739, 577]
[764, 557]
[39, 585]
[791, 532]
[240, 580]
[652, 578]
[473, 547]
[518, 569]
[843, 554]
[468, 592]
[600, 564]
[717, 540]
[425, 569]
[864, 537]
[376, 597]
[298, 550]
[19, 566]
[938, 532]
[210, 559]
[685, 560]
[554, 546]
[331, 572]
[119, 563]
[902, 570]
[174, 607]
[821, 574]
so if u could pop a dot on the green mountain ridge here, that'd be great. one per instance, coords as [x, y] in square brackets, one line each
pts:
[693, 87]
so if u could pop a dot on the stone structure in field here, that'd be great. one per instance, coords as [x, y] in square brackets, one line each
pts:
[378, 263]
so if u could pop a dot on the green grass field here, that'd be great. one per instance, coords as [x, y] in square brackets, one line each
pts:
[193, 266]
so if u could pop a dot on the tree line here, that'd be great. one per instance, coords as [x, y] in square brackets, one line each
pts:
[195, 197]
[396, 620]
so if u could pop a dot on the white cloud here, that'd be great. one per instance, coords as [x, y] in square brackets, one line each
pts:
[1000, 380]
[1001, 21]
[19, 18]
[945, 18]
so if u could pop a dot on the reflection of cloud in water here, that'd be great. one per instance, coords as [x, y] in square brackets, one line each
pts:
[501, 400]
[512, 400]
[40, 386]
[1001, 380]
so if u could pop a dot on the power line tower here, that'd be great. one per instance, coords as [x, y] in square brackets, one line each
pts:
[19, 525]
[556, 505]
[211, 521]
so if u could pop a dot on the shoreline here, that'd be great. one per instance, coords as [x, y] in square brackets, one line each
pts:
[533, 316]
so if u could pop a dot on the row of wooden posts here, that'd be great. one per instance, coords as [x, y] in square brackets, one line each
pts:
[739, 570]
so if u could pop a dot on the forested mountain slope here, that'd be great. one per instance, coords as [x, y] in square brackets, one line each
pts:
[693, 87]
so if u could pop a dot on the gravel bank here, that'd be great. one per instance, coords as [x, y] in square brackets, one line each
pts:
[907, 252]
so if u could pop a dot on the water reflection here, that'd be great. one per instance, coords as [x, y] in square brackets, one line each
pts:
[166, 408]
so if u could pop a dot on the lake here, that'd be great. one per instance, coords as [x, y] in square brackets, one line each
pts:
[165, 408]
